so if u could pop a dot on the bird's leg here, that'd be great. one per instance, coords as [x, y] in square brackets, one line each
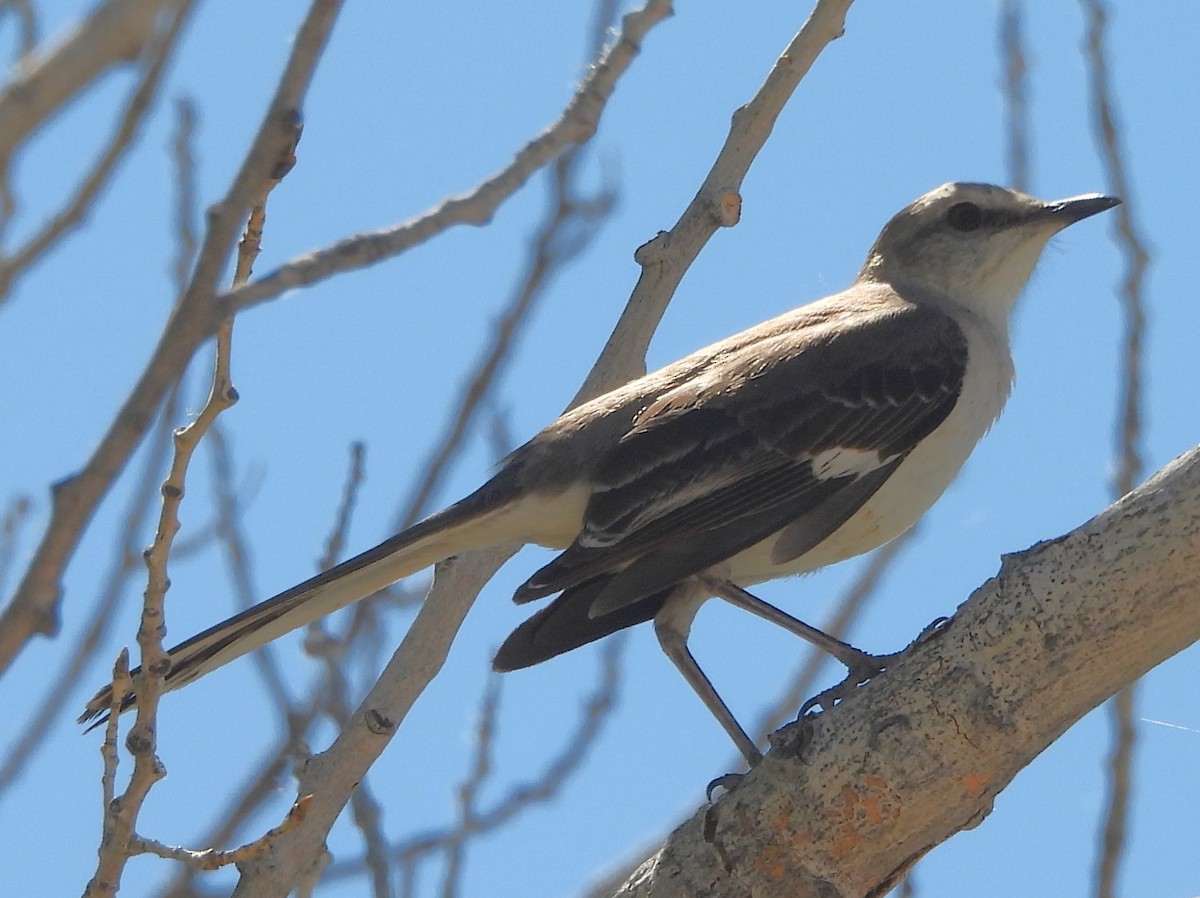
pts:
[674, 646]
[862, 666]
[855, 659]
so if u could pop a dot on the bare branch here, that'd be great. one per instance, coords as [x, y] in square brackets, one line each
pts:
[468, 791]
[237, 560]
[23, 10]
[1129, 429]
[114, 33]
[120, 840]
[354, 481]
[668, 256]
[10, 527]
[555, 244]
[127, 554]
[211, 859]
[1016, 89]
[125, 562]
[596, 711]
[334, 689]
[71, 216]
[185, 182]
[258, 788]
[574, 127]
[35, 606]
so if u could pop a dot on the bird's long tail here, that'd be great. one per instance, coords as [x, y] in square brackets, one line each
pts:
[477, 521]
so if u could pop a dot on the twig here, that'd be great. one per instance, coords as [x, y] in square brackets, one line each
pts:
[364, 807]
[127, 554]
[135, 519]
[10, 527]
[574, 127]
[666, 258]
[113, 34]
[258, 788]
[212, 859]
[1016, 86]
[1129, 426]
[183, 153]
[108, 749]
[557, 242]
[596, 711]
[28, 30]
[35, 606]
[237, 561]
[354, 482]
[120, 840]
[126, 561]
[554, 245]
[468, 791]
[71, 216]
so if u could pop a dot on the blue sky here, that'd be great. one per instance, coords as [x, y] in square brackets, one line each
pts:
[413, 102]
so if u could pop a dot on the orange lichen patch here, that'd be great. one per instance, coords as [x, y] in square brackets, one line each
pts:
[848, 838]
[975, 783]
[781, 820]
[856, 809]
[729, 208]
[771, 863]
[872, 806]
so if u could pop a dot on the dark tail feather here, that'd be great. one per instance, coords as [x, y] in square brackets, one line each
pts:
[564, 625]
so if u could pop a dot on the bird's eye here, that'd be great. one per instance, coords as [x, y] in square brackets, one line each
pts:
[964, 217]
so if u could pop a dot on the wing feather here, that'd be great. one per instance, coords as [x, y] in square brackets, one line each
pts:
[728, 458]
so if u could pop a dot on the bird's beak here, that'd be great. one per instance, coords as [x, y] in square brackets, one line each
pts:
[1076, 208]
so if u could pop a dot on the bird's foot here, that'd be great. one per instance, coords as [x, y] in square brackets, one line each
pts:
[862, 668]
[728, 782]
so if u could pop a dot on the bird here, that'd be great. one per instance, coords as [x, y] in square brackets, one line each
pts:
[806, 440]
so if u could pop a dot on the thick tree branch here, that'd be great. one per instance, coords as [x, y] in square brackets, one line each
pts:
[847, 801]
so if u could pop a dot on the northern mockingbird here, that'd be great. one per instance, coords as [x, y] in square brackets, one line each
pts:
[811, 438]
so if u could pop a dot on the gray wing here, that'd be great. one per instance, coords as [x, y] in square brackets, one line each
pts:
[756, 447]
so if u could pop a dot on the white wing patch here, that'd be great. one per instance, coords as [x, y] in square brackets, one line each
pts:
[843, 461]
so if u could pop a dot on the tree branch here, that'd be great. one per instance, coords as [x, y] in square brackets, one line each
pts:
[575, 127]
[113, 34]
[848, 800]
[35, 606]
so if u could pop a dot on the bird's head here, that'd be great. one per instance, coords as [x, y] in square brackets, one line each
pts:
[973, 245]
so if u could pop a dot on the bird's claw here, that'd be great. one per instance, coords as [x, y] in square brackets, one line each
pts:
[728, 782]
[861, 673]
[866, 667]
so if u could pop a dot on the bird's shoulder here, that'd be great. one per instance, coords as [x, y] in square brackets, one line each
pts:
[860, 346]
